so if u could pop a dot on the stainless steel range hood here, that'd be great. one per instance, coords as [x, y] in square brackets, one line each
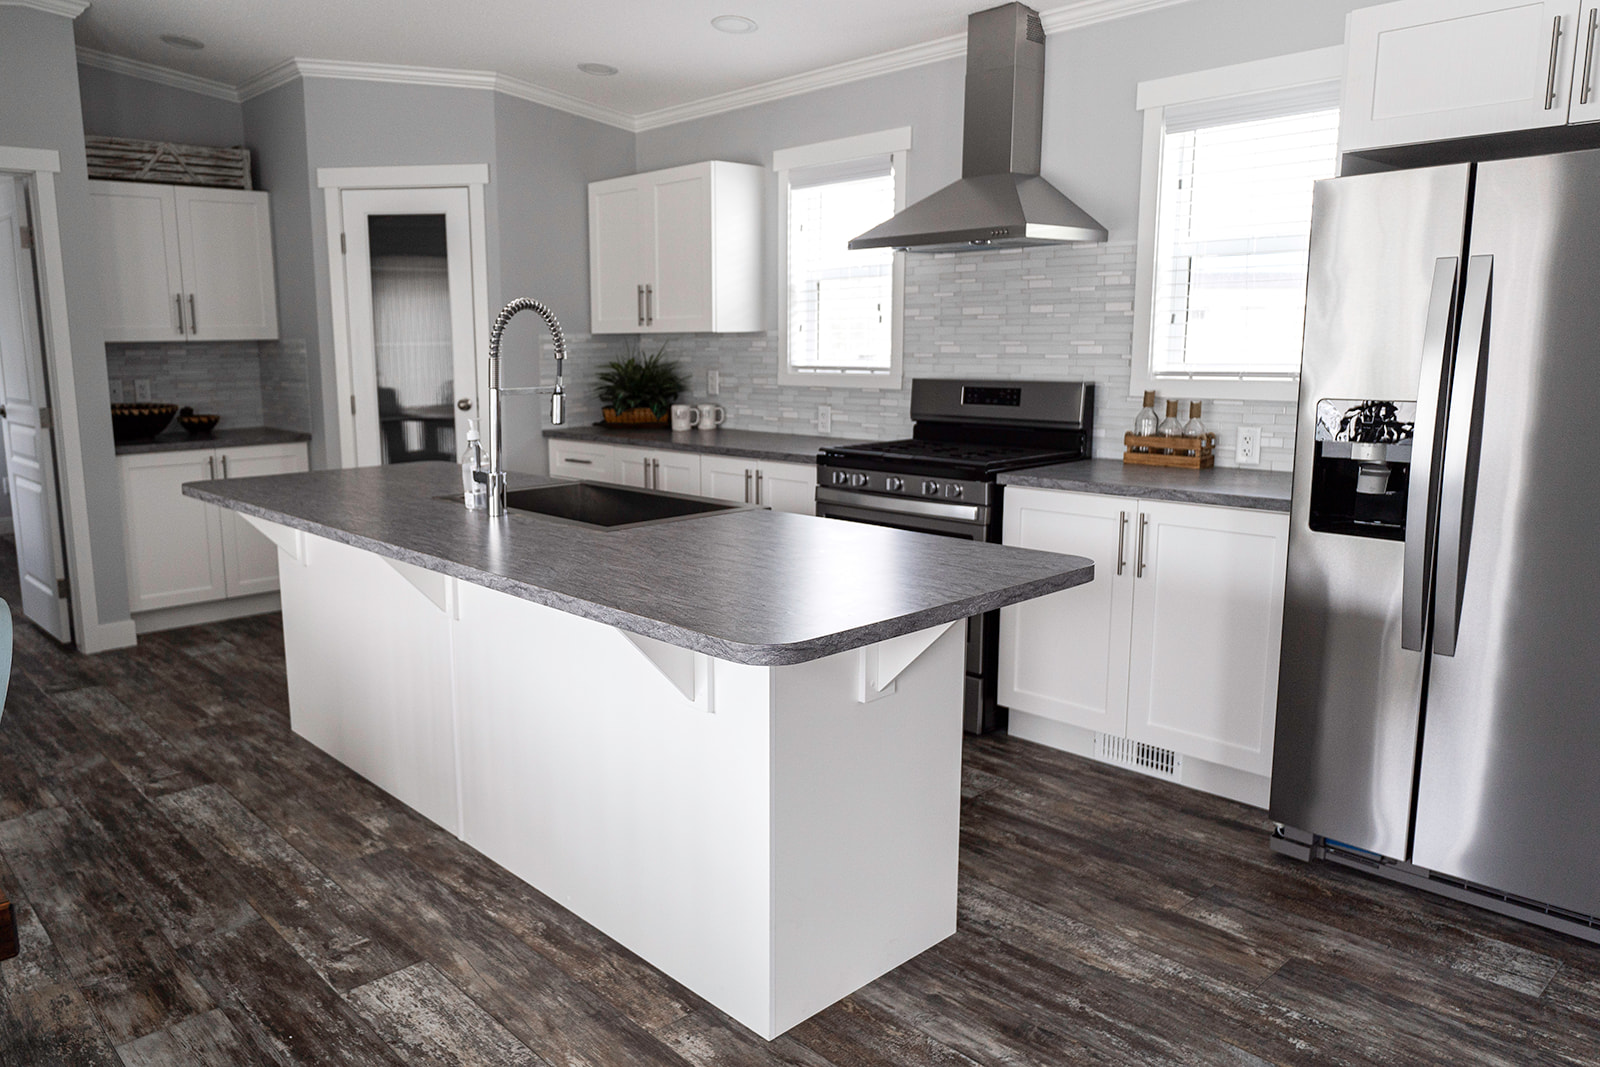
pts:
[1000, 201]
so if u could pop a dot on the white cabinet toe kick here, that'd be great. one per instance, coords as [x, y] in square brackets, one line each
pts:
[772, 837]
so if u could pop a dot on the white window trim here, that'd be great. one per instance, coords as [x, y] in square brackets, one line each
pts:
[896, 143]
[1322, 65]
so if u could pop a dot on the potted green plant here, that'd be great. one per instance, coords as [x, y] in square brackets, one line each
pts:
[640, 389]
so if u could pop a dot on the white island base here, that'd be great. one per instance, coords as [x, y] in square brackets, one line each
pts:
[772, 837]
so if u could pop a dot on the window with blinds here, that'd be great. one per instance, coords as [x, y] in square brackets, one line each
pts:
[1234, 223]
[840, 303]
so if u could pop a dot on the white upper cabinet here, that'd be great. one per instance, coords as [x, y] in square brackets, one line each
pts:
[677, 251]
[184, 263]
[1430, 70]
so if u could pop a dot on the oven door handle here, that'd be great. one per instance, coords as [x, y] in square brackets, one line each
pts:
[936, 509]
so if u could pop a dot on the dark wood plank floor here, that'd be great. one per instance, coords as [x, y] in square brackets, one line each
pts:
[195, 885]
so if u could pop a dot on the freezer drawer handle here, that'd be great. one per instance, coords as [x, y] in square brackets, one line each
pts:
[1550, 77]
[1422, 505]
[1455, 505]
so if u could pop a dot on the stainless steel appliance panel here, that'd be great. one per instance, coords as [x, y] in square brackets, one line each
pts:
[1349, 693]
[1509, 790]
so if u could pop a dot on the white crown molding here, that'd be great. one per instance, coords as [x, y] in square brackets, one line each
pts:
[66, 8]
[1072, 16]
[149, 72]
[552, 98]
[839, 74]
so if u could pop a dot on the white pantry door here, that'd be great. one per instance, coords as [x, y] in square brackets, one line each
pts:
[361, 207]
[24, 418]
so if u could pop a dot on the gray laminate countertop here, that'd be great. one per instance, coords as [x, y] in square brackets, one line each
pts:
[748, 585]
[749, 444]
[1225, 486]
[221, 437]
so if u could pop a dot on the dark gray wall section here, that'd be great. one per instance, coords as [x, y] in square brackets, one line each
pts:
[39, 81]
[275, 132]
[116, 105]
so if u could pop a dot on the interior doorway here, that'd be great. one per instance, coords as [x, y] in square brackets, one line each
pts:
[32, 485]
[410, 309]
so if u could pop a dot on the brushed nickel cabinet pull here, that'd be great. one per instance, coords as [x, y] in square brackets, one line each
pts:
[224, 459]
[641, 305]
[1144, 522]
[747, 485]
[194, 320]
[181, 328]
[1122, 541]
[1550, 77]
[758, 485]
[1588, 55]
[649, 306]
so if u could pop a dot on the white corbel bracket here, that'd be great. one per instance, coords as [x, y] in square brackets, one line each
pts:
[688, 671]
[885, 661]
[290, 542]
[431, 584]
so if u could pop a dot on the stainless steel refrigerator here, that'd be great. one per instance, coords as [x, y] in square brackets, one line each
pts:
[1439, 701]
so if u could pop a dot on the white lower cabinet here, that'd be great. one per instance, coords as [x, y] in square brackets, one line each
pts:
[180, 551]
[1174, 644]
[780, 486]
[671, 472]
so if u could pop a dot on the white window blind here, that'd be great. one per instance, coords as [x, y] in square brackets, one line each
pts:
[1233, 230]
[840, 303]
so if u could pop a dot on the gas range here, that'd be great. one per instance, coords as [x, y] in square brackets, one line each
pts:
[941, 480]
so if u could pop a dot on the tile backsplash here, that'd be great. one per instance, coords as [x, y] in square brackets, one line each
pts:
[1058, 312]
[248, 383]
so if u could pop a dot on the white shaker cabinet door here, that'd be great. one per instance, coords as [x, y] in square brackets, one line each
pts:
[225, 238]
[1207, 622]
[250, 561]
[678, 295]
[617, 265]
[728, 478]
[787, 487]
[174, 542]
[136, 237]
[671, 472]
[1430, 70]
[1065, 656]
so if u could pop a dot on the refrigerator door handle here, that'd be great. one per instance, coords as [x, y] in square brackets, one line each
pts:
[1426, 438]
[1455, 493]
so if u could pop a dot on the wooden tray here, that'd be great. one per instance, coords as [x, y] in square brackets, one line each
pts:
[127, 160]
[1191, 452]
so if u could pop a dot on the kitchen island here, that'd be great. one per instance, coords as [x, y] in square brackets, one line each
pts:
[732, 742]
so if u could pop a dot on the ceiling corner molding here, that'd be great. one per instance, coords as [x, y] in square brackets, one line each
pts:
[438, 77]
[176, 79]
[822, 78]
[1089, 12]
[269, 79]
[65, 8]
[552, 98]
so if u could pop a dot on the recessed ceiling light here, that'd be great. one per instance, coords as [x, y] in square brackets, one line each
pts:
[599, 70]
[178, 40]
[734, 24]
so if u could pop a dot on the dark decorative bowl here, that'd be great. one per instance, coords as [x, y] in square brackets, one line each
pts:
[140, 422]
[199, 425]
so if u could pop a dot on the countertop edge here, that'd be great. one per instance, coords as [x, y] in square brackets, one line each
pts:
[1216, 498]
[600, 435]
[756, 655]
[249, 437]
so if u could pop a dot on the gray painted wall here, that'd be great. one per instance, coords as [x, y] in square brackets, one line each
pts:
[116, 105]
[38, 64]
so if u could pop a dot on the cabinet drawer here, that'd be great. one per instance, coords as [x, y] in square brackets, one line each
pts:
[582, 460]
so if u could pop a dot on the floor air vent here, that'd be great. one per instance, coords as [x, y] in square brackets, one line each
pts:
[1138, 756]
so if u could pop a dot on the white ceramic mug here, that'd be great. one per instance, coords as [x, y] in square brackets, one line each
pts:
[711, 416]
[685, 417]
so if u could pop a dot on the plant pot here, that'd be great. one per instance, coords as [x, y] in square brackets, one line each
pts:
[635, 417]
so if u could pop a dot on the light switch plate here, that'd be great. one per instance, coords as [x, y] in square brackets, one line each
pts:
[824, 419]
[1247, 453]
[116, 390]
[141, 389]
[713, 383]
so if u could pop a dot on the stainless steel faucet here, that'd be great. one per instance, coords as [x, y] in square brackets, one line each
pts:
[558, 396]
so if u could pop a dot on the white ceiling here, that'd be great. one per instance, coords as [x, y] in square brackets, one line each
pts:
[666, 50]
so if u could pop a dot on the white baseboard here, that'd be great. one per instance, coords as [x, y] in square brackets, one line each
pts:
[1208, 777]
[149, 622]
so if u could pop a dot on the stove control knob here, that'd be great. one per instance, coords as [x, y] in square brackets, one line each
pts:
[930, 488]
[840, 478]
[893, 484]
[953, 492]
[858, 480]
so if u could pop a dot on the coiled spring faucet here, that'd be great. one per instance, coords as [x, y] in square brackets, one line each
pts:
[496, 476]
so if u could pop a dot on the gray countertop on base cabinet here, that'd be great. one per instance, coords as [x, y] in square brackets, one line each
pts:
[1227, 487]
[749, 444]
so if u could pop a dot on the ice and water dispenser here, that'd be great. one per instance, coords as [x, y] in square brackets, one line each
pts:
[1362, 469]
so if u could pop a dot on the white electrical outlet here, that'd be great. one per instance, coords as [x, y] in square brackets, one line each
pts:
[141, 389]
[824, 419]
[1248, 451]
[713, 383]
[116, 390]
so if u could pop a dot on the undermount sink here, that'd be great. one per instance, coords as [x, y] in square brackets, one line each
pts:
[611, 506]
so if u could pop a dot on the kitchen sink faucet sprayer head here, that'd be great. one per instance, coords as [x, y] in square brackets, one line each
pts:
[558, 395]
